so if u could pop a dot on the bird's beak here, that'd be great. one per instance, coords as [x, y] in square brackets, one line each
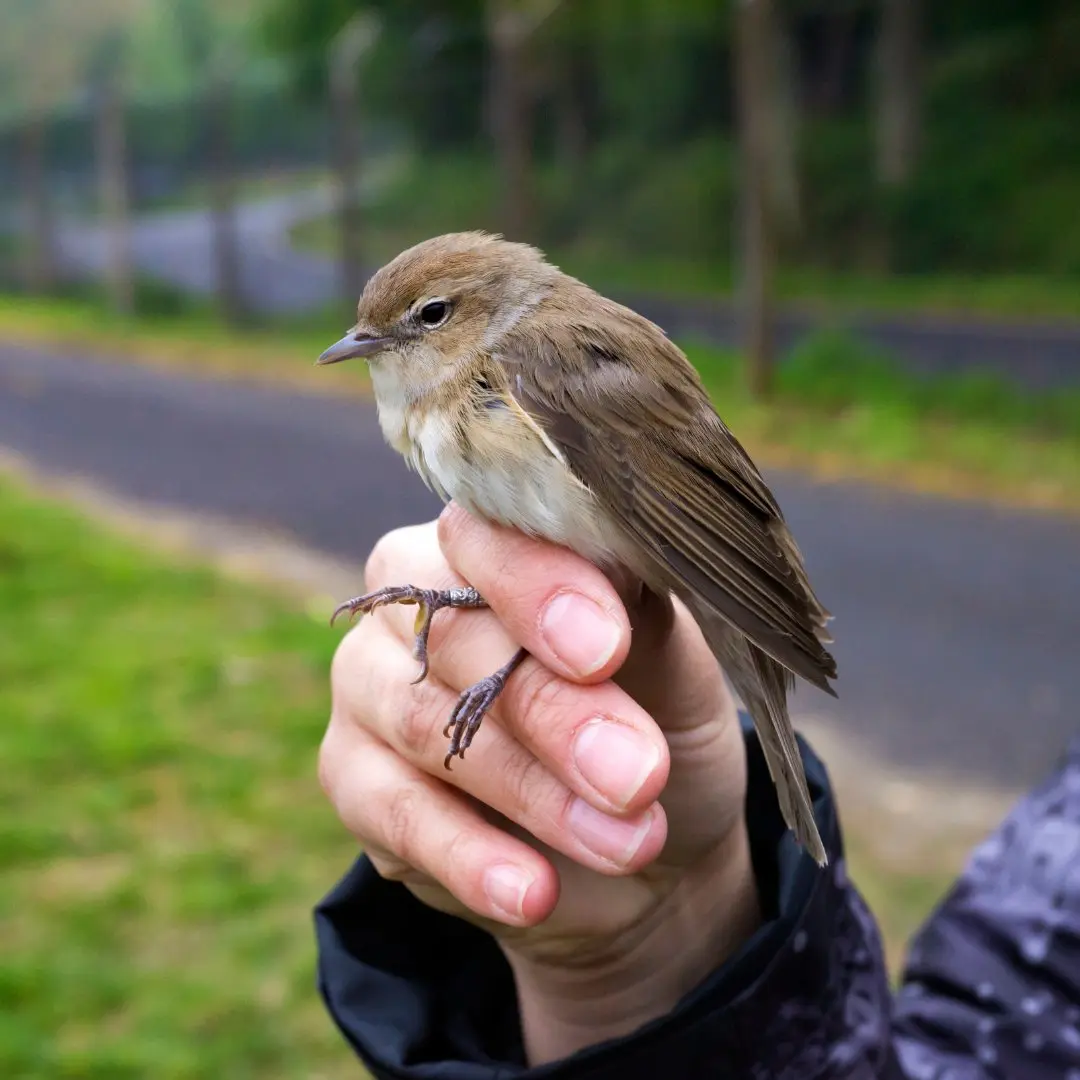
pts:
[353, 346]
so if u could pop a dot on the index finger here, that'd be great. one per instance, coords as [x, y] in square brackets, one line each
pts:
[559, 606]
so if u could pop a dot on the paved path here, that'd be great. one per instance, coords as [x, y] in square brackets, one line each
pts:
[175, 246]
[1038, 357]
[957, 625]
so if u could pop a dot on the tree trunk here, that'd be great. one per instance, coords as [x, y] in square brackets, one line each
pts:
[570, 128]
[839, 46]
[224, 240]
[39, 267]
[113, 189]
[510, 113]
[898, 104]
[785, 188]
[753, 51]
[345, 133]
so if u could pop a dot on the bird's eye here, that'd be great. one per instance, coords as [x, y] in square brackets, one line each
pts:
[434, 312]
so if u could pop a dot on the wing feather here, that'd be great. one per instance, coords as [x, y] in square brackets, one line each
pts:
[658, 458]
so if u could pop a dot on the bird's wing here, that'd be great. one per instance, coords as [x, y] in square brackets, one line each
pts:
[650, 447]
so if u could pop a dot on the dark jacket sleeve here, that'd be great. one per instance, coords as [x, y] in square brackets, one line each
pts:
[423, 995]
[992, 984]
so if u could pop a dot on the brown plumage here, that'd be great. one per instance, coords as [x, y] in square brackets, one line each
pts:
[535, 402]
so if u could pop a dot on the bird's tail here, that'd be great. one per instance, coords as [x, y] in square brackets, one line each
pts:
[763, 685]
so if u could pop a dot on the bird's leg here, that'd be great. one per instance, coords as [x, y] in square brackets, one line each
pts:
[473, 706]
[428, 601]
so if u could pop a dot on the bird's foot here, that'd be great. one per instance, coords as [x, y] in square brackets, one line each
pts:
[473, 706]
[428, 601]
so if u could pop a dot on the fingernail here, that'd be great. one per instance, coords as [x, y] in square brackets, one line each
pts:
[506, 886]
[615, 759]
[580, 632]
[613, 840]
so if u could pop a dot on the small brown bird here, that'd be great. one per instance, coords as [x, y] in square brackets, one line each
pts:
[534, 402]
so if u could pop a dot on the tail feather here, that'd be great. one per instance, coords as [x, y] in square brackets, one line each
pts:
[763, 685]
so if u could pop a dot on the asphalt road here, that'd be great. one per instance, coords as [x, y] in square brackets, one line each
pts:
[175, 246]
[957, 624]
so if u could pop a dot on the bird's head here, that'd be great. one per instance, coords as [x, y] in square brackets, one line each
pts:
[440, 303]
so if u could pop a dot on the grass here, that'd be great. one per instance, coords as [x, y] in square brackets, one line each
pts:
[191, 338]
[163, 837]
[840, 410]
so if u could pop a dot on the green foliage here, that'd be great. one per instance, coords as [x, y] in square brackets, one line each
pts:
[833, 371]
[650, 86]
[163, 836]
[849, 409]
[153, 299]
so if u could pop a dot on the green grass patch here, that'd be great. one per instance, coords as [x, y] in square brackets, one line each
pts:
[842, 409]
[163, 836]
[189, 338]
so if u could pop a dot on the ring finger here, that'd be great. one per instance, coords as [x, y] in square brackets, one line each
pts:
[418, 831]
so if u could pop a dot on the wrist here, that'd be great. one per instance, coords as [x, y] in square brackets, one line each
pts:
[612, 988]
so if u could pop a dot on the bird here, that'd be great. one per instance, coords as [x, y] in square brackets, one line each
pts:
[535, 402]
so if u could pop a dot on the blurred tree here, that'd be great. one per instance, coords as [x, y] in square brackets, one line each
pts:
[39, 265]
[225, 240]
[783, 111]
[511, 26]
[755, 91]
[898, 91]
[217, 61]
[352, 41]
[832, 37]
[568, 73]
[44, 50]
[107, 78]
[630, 120]
[426, 72]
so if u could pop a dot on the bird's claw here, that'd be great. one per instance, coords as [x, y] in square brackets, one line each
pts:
[472, 706]
[427, 601]
[474, 703]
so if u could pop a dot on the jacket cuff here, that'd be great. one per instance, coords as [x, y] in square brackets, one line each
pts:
[419, 994]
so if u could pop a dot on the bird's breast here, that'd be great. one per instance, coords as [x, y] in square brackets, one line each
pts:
[494, 463]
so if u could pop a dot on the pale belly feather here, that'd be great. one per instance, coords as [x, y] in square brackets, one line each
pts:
[510, 475]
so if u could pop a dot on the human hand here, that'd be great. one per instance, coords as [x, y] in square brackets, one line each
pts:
[596, 826]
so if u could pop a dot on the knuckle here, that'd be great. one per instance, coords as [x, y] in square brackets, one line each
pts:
[355, 672]
[541, 695]
[526, 781]
[452, 521]
[416, 724]
[378, 568]
[456, 857]
[346, 663]
[400, 825]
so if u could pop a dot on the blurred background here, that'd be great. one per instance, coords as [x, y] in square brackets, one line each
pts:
[861, 218]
